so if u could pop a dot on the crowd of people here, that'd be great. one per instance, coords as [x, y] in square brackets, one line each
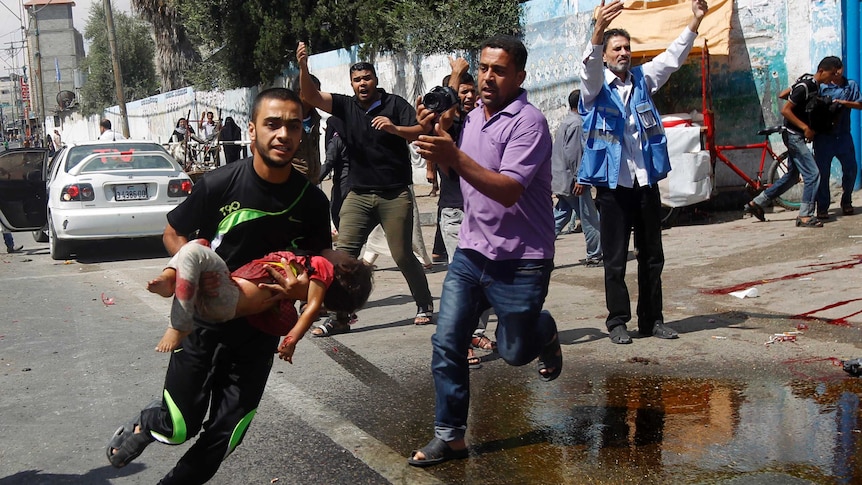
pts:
[254, 237]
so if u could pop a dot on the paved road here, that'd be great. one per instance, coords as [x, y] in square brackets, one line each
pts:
[715, 406]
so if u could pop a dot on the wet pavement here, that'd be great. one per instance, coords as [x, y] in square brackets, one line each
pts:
[751, 393]
[731, 401]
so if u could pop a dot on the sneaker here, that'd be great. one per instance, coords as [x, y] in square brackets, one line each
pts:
[14, 249]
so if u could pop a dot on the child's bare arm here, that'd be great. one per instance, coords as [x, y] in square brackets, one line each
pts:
[316, 291]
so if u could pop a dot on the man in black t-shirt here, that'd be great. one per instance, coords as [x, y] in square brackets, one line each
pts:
[246, 209]
[797, 133]
[378, 126]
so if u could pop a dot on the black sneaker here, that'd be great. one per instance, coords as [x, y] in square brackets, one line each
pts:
[592, 262]
[14, 249]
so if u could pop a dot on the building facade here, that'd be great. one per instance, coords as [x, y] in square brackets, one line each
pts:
[55, 50]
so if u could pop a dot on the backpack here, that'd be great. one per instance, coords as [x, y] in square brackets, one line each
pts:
[821, 113]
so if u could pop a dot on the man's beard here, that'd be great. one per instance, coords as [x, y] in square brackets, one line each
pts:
[618, 69]
[270, 162]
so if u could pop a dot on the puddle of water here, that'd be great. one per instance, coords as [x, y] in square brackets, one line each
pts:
[648, 429]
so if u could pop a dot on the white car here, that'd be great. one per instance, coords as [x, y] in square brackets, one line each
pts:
[107, 190]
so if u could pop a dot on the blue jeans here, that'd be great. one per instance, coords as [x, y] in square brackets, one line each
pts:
[7, 238]
[827, 147]
[584, 207]
[516, 289]
[802, 163]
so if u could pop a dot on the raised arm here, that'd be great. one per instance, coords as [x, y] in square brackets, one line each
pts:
[308, 90]
[592, 78]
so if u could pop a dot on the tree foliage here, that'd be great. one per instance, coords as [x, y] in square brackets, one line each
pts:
[247, 43]
[135, 50]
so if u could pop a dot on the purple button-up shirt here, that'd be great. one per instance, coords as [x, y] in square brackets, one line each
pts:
[515, 142]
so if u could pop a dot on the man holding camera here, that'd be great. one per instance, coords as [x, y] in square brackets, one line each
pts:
[377, 124]
[506, 242]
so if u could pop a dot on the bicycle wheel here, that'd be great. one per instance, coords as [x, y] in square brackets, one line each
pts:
[791, 199]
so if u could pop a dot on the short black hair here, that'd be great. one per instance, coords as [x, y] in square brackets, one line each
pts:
[282, 94]
[574, 97]
[363, 66]
[512, 45]
[830, 63]
[351, 286]
[106, 124]
[294, 83]
[466, 78]
[615, 33]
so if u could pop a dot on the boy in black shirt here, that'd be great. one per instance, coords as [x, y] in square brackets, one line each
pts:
[798, 132]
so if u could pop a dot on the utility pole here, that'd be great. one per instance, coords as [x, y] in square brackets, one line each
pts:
[115, 60]
[36, 78]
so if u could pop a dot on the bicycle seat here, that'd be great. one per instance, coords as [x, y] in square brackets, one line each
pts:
[771, 130]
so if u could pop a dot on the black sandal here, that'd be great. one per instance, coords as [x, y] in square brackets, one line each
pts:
[755, 210]
[473, 360]
[811, 222]
[551, 357]
[436, 452]
[329, 328]
[128, 444]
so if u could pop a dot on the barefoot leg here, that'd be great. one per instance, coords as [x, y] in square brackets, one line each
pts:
[164, 284]
[170, 340]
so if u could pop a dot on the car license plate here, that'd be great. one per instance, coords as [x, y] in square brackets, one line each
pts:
[131, 192]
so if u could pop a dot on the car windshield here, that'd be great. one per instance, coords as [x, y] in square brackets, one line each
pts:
[127, 161]
[78, 153]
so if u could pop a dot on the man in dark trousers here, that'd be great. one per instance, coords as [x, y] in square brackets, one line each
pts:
[246, 210]
[625, 156]
[377, 127]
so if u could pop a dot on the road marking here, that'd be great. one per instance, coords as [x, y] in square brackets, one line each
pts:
[379, 457]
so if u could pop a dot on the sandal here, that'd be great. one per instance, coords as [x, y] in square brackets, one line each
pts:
[424, 316]
[436, 452]
[755, 210]
[551, 357]
[128, 444]
[330, 327]
[847, 210]
[484, 343]
[811, 222]
[473, 360]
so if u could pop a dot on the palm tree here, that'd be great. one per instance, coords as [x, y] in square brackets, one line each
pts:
[175, 53]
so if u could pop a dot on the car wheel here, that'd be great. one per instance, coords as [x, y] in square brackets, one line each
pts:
[59, 249]
[41, 236]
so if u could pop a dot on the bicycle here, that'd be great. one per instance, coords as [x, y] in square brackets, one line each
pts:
[778, 165]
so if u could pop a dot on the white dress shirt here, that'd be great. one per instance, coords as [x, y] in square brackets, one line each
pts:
[656, 73]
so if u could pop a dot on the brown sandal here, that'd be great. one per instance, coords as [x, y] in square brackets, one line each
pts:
[482, 342]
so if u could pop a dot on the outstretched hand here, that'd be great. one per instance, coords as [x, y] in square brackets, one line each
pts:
[606, 13]
[699, 8]
[438, 147]
[302, 55]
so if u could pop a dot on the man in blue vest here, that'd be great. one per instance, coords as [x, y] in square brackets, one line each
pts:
[625, 155]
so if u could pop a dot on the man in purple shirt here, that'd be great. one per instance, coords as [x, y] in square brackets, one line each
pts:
[506, 242]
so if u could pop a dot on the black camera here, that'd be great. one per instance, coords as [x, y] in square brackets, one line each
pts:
[440, 99]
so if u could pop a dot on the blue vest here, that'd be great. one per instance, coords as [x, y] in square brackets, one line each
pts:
[604, 127]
